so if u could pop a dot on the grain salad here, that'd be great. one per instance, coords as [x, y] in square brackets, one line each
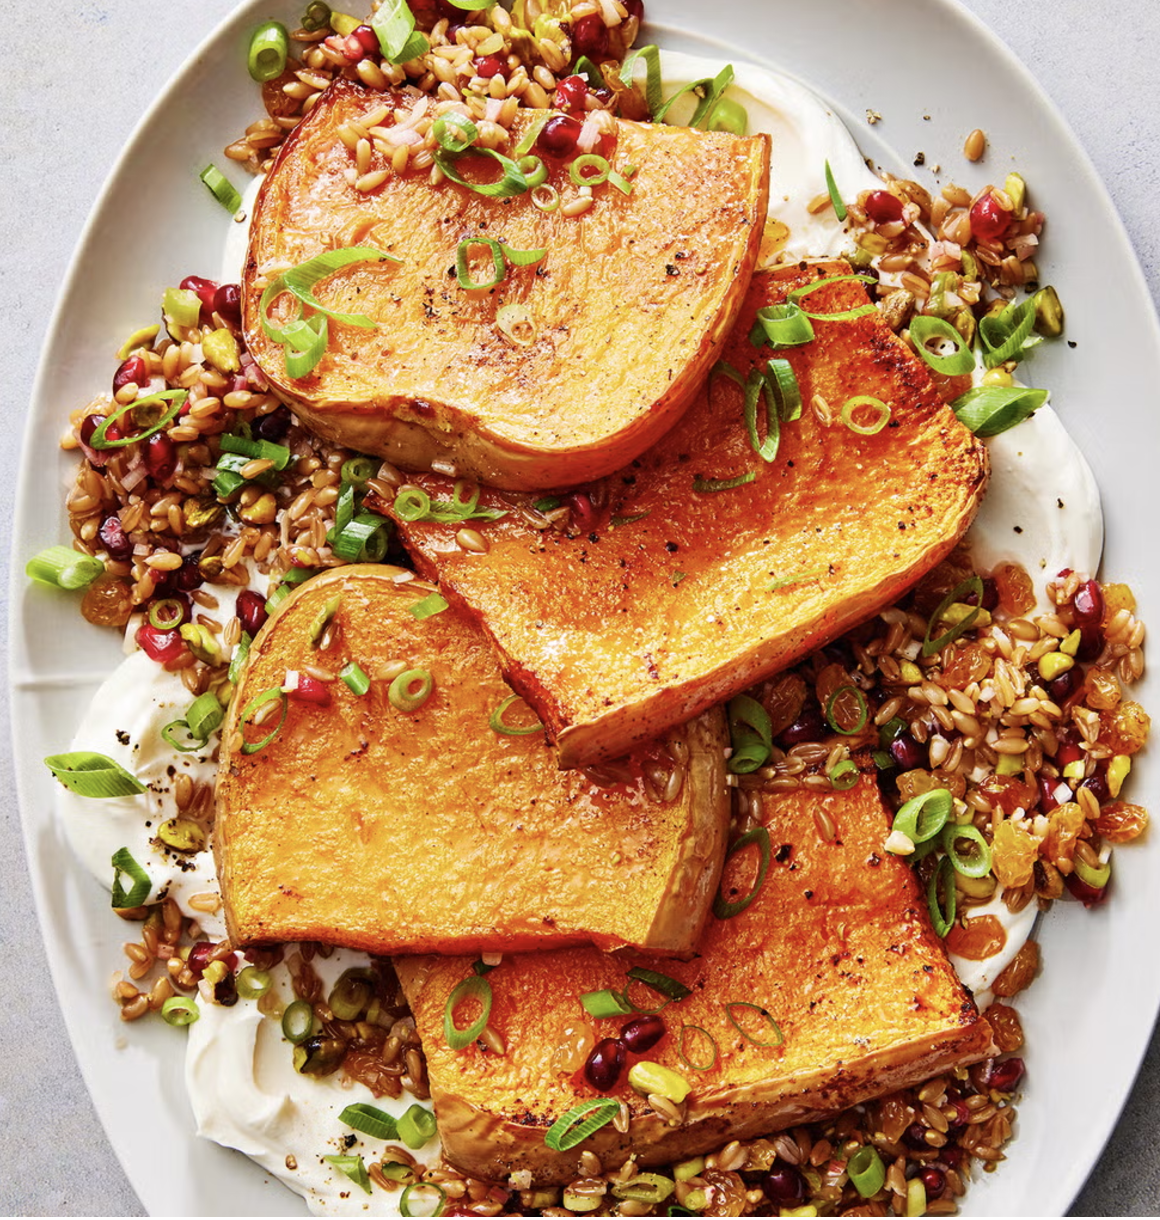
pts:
[202, 501]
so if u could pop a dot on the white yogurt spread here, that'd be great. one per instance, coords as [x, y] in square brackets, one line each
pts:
[243, 1088]
[979, 975]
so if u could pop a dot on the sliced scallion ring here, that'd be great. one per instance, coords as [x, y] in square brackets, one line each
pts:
[923, 817]
[278, 454]
[298, 1022]
[221, 188]
[399, 41]
[241, 655]
[323, 619]
[835, 197]
[364, 539]
[730, 116]
[172, 400]
[690, 1033]
[712, 485]
[924, 329]
[844, 315]
[653, 80]
[417, 1127]
[401, 694]
[253, 983]
[783, 325]
[546, 197]
[671, 988]
[973, 584]
[123, 863]
[844, 775]
[355, 677]
[534, 170]
[765, 1016]
[421, 1192]
[269, 47]
[94, 775]
[832, 710]
[867, 1171]
[474, 987]
[411, 504]
[512, 182]
[1009, 335]
[759, 837]
[248, 712]
[433, 603]
[358, 471]
[353, 1166]
[976, 860]
[370, 1120]
[589, 161]
[605, 1003]
[942, 910]
[180, 1010]
[63, 568]
[750, 733]
[989, 410]
[463, 271]
[456, 133]
[580, 1122]
[497, 724]
[882, 414]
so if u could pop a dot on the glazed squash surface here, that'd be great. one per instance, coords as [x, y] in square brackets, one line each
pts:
[676, 597]
[836, 946]
[387, 830]
[624, 314]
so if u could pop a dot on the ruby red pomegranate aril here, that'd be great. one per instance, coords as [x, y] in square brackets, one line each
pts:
[113, 538]
[989, 221]
[571, 92]
[489, 66]
[785, 1185]
[227, 301]
[310, 690]
[134, 370]
[642, 1033]
[252, 611]
[205, 290]
[160, 646]
[590, 36]
[558, 135]
[1088, 603]
[604, 1065]
[160, 457]
[883, 208]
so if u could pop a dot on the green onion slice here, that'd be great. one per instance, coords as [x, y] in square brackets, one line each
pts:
[300, 282]
[323, 619]
[784, 325]
[171, 400]
[989, 410]
[409, 1191]
[204, 715]
[433, 603]
[653, 80]
[832, 710]
[652, 1188]
[124, 900]
[1010, 334]
[269, 47]
[370, 1120]
[690, 1033]
[844, 775]
[358, 471]
[472, 6]
[94, 775]
[169, 736]
[278, 454]
[759, 836]
[580, 1122]
[456, 133]
[605, 1003]
[709, 89]
[973, 584]
[750, 734]
[253, 983]
[180, 1010]
[166, 614]
[589, 161]
[241, 655]
[924, 329]
[353, 1166]
[671, 988]
[399, 41]
[765, 1016]
[298, 1021]
[259, 701]
[221, 188]
[1096, 876]
[403, 697]
[546, 197]
[462, 271]
[364, 539]
[923, 817]
[512, 182]
[63, 568]
[534, 170]
[975, 861]
[305, 345]
[416, 1127]
[880, 421]
[866, 1171]
[799, 294]
[316, 17]
[835, 198]
[497, 725]
[586, 68]
[475, 987]
[711, 485]
[942, 917]
[355, 677]
[528, 139]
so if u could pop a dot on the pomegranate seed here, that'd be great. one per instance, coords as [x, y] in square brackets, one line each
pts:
[252, 611]
[160, 457]
[558, 135]
[199, 958]
[604, 1064]
[1089, 895]
[132, 370]
[225, 993]
[1068, 752]
[883, 208]
[571, 92]
[906, 752]
[584, 516]
[988, 220]
[990, 593]
[1089, 603]
[807, 727]
[310, 690]
[1097, 785]
[160, 646]
[204, 288]
[785, 1185]
[1006, 1075]
[227, 302]
[1069, 683]
[1047, 785]
[915, 1136]
[489, 66]
[114, 540]
[951, 1156]
[272, 427]
[188, 576]
[89, 425]
[368, 39]
[642, 1033]
[590, 36]
[1091, 642]
[934, 1182]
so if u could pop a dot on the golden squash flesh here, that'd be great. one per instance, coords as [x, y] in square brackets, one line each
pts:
[363, 825]
[836, 946]
[617, 327]
[671, 596]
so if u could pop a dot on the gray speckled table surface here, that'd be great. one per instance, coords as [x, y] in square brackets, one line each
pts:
[58, 139]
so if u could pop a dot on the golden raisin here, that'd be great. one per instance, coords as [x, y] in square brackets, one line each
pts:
[1013, 854]
[1120, 822]
[1117, 597]
[1124, 729]
[784, 701]
[1019, 971]
[727, 1198]
[1008, 1029]
[891, 1115]
[1008, 792]
[1101, 690]
[915, 783]
[1063, 826]
[977, 939]
[108, 602]
[1016, 592]
[971, 663]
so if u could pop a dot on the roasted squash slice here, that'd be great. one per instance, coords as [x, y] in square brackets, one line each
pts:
[836, 947]
[363, 825]
[611, 332]
[673, 589]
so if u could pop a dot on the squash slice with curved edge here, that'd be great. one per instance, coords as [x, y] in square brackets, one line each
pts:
[363, 825]
[676, 590]
[601, 344]
[835, 948]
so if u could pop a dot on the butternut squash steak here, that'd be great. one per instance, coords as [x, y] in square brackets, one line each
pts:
[618, 323]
